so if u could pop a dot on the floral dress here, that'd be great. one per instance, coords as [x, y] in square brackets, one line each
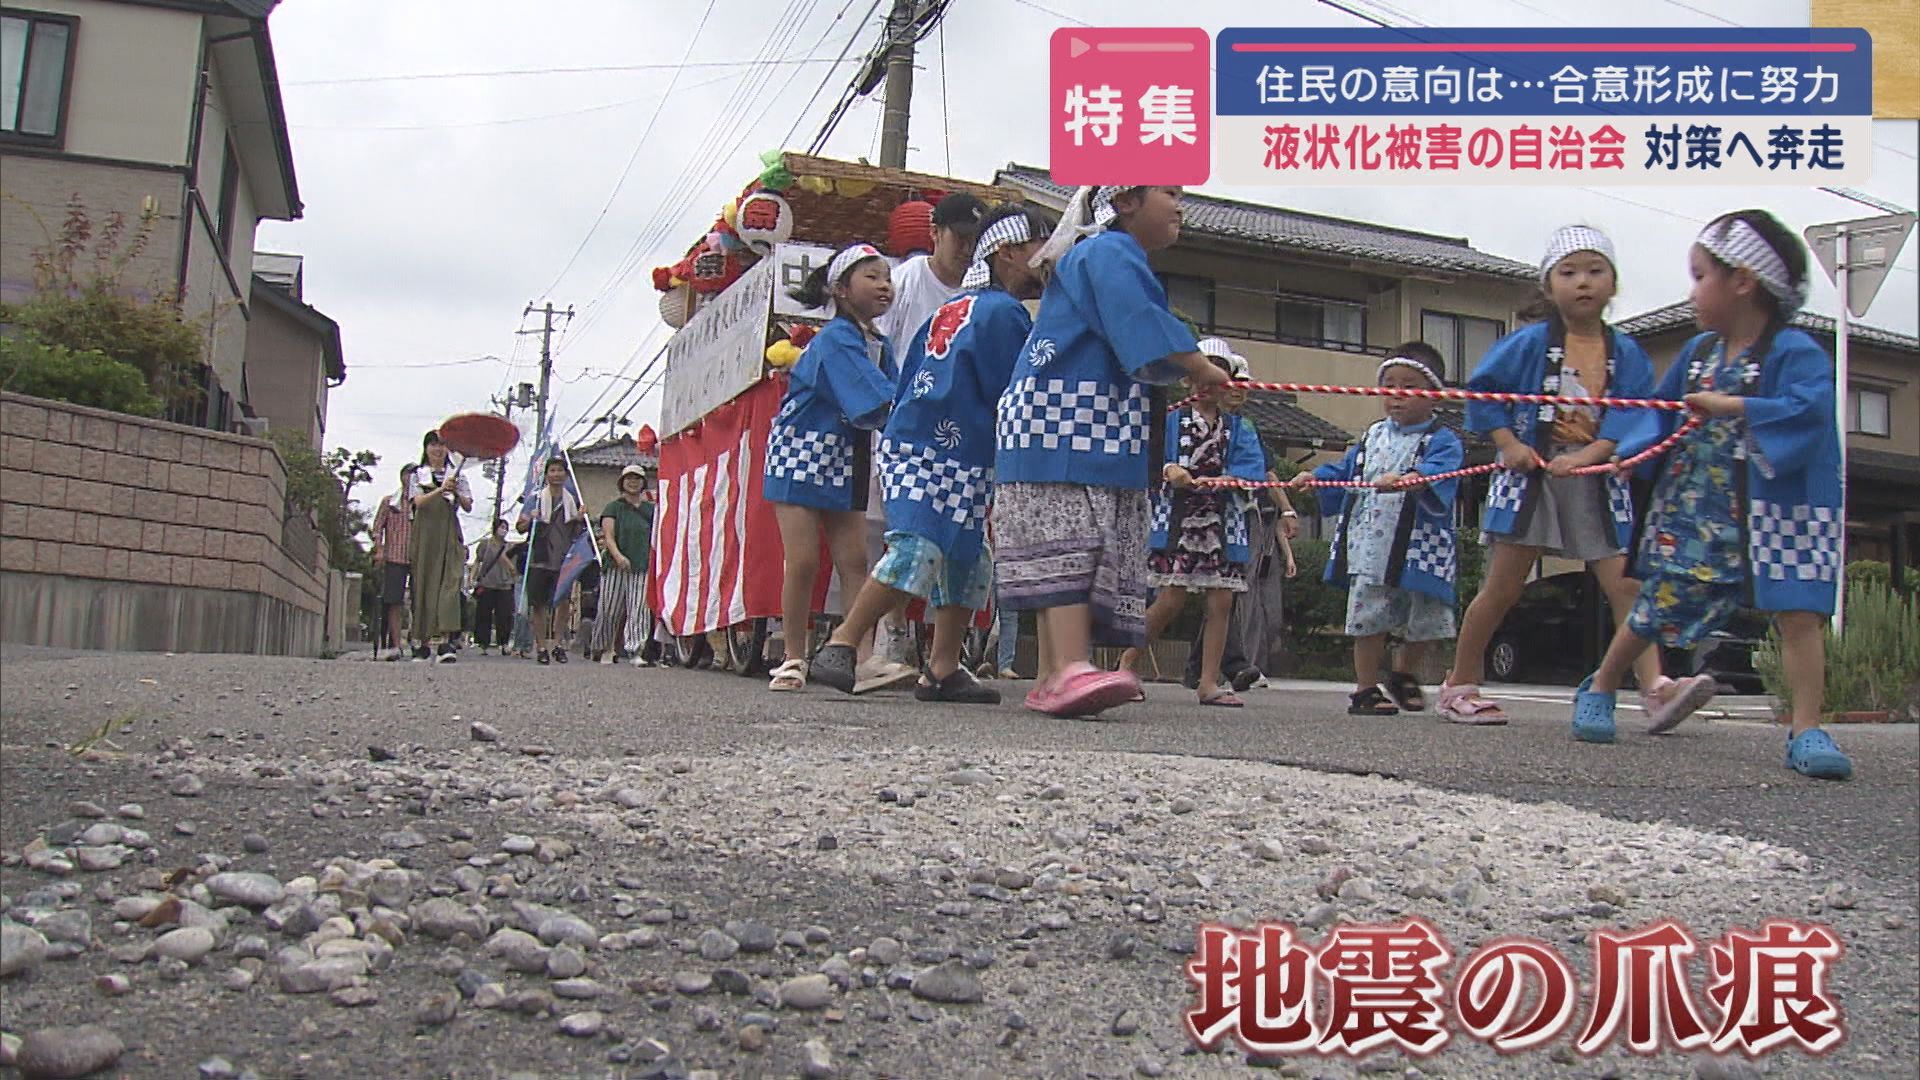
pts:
[1197, 554]
[1692, 558]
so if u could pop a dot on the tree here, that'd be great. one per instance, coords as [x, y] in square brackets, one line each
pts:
[82, 302]
[351, 468]
[313, 485]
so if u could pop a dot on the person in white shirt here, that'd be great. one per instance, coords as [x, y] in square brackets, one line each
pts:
[921, 284]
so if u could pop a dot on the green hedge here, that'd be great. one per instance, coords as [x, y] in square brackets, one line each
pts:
[84, 377]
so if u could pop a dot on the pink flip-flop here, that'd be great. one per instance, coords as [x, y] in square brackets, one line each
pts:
[1225, 699]
[1086, 694]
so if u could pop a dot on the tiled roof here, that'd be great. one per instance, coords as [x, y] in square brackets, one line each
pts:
[1680, 315]
[614, 452]
[1283, 423]
[1296, 231]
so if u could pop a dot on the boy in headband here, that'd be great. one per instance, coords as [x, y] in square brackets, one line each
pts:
[1747, 511]
[936, 461]
[1393, 545]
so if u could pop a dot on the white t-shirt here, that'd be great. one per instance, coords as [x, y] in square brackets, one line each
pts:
[918, 292]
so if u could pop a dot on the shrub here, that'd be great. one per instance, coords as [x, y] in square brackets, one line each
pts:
[1312, 605]
[81, 378]
[1875, 572]
[1873, 666]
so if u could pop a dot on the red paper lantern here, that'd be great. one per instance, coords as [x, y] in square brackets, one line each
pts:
[714, 270]
[645, 440]
[910, 228]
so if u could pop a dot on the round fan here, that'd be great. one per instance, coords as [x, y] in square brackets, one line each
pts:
[484, 436]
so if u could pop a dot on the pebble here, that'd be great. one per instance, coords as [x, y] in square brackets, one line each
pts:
[1314, 845]
[1053, 791]
[519, 845]
[520, 951]
[480, 731]
[753, 1038]
[731, 981]
[490, 996]
[885, 951]
[189, 944]
[102, 834]
[68, 1052]
[1607, 894]
[321, 976]
[951, 982]
[691, 982]
[187, 785]
[1125, 1024]
[96, 859]
[22, 949]
[1320, 916]
[570, 930]
[1841, 896]
[71, 926]
[185, 827]
[578, 989]
[1147, 1066]
[1183, 805]
[113, 985]
[816, 1063]
[438, 1010]
[445, 919]
[806, 992]
[254, 946]
[255, 844]
[353, 997]
[583, 1025]
[87, 810]
[217, 1068]
[753, 937]
[252, 890]
[132, 811]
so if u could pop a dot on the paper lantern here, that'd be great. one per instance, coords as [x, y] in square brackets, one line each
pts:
[783, 354]
[646, 440]
[910, 228]
[714, 270]
[676, 307]
[765, 220]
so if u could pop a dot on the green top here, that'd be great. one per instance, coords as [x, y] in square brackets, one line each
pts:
[632, 531]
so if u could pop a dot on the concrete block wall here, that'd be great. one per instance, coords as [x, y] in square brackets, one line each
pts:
[118, 532]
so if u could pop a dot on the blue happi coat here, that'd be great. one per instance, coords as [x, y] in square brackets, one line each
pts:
[1077, 408]
[1528, 361]
[1424, 557]
[819, 454]
[1790, 483]
[936, 456]
[1245, 460]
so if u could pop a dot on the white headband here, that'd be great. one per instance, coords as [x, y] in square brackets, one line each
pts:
[1012, 229]
[1433, 381]
[1087, 214]
[1572, 238]
[843, 262]
[1741, 246]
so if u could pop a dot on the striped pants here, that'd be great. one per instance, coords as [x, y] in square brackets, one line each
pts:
[623, 601]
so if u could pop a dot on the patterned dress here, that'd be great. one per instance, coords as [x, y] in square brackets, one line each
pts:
[1196, 558]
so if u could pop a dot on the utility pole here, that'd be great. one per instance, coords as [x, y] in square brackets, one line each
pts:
[520, 398]
[899, 102]
[546, 361]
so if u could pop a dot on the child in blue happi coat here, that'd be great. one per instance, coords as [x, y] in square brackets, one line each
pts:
[1536, 505]
[1198, 538]
[1073, 460]
[1393, 544]
[819, 452]
[936, 461]
[1748, 509]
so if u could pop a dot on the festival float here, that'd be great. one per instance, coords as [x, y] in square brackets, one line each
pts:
[717, 555]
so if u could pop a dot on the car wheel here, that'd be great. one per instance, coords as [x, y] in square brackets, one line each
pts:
[1503, 659]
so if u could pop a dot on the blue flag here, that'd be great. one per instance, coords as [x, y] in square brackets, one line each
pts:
[580, 556]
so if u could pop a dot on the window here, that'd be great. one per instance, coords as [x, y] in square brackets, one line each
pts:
[1190, 296]
[36, 55]
[1872, 411]
[1308, 320]
[1461, 339]
[229, 193]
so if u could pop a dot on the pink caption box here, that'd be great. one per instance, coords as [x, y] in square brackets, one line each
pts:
[1130, 105]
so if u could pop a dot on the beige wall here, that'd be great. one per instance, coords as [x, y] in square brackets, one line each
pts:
[1881, 369]
[35, 193]
[286, 369]
[134, 70]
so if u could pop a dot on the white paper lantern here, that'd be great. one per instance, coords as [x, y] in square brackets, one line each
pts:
[764, 219]
[676, 306]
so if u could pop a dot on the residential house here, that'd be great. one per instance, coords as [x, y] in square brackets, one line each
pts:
[597, 465]
[1883, 423]
[1316, 299]
[293, 351]
[172, 105]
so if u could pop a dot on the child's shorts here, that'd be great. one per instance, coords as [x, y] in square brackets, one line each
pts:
[1678, 611]
[914, 564]
[1056, 545]
[1387, 609]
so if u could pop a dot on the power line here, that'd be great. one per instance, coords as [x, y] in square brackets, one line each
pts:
[1056, 14]
[828, 77]
[514, 72]
[429, 364]
[504, 120]
[627, 169]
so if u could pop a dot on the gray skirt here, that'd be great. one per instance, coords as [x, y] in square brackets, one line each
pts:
[1570, 519]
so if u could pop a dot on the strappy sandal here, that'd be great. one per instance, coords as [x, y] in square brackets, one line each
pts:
[1372, 701]
[789, 676]
[1406, 692]
[1224, 699]
[1463, 705]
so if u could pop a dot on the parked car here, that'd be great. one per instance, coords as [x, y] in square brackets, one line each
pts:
[1560, 628]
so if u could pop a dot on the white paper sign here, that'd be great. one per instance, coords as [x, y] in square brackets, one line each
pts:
[720, 353]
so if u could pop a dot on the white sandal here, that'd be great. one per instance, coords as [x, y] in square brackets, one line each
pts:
[1463, 704]
[789, 676]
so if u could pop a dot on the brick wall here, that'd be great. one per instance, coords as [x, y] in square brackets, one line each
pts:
[122, 501]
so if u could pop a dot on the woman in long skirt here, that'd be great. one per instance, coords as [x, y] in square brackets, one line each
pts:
[439, 553]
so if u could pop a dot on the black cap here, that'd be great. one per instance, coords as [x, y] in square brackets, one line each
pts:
[959, 211]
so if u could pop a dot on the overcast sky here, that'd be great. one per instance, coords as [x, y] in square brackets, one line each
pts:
[438, 208]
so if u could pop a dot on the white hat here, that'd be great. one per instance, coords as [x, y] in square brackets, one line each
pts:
[1237, 365]
[633, 470]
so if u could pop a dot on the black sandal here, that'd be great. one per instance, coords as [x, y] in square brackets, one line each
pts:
[1406, 692]
[1372, 701]
[960, 687]
[543, 657]
[559, 656]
